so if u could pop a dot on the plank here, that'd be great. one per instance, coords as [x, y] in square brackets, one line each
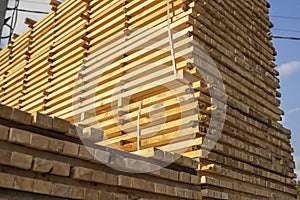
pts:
[66, 10]
[60, 79]
[167, 127]
[93, 43]
[44, 22]
[178, 25]
[92, 79]
[162, 113]
[34, 100]
[141, 81]
[63, 29]
[180, 142]
[168, 99]
[36, 106]
[65, 34]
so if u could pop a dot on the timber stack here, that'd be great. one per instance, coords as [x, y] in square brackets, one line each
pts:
[163, 74]
[44, 158]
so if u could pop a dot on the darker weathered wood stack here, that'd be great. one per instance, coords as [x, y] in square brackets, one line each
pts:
[43, 158]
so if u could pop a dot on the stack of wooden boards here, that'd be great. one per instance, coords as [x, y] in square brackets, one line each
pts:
[43, 158]
[135, 67]
[107, 64]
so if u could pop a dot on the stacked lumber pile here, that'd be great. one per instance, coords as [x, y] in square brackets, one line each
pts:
[43, 158]
[67, 54]
[13, 70]
[253, 157]
[110, 65]
[38, 67]
[118, 76]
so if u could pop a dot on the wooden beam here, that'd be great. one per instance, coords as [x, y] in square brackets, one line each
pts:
[29, 22]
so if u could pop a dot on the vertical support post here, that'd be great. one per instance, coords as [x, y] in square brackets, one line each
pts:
[138, 127]
[171, 40]
[3, 6]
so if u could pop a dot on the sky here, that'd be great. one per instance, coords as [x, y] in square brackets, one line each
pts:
[288, 61]
[35, 5]
[285, 16]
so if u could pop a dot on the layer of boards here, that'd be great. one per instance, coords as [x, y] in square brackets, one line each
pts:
[52, 68]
